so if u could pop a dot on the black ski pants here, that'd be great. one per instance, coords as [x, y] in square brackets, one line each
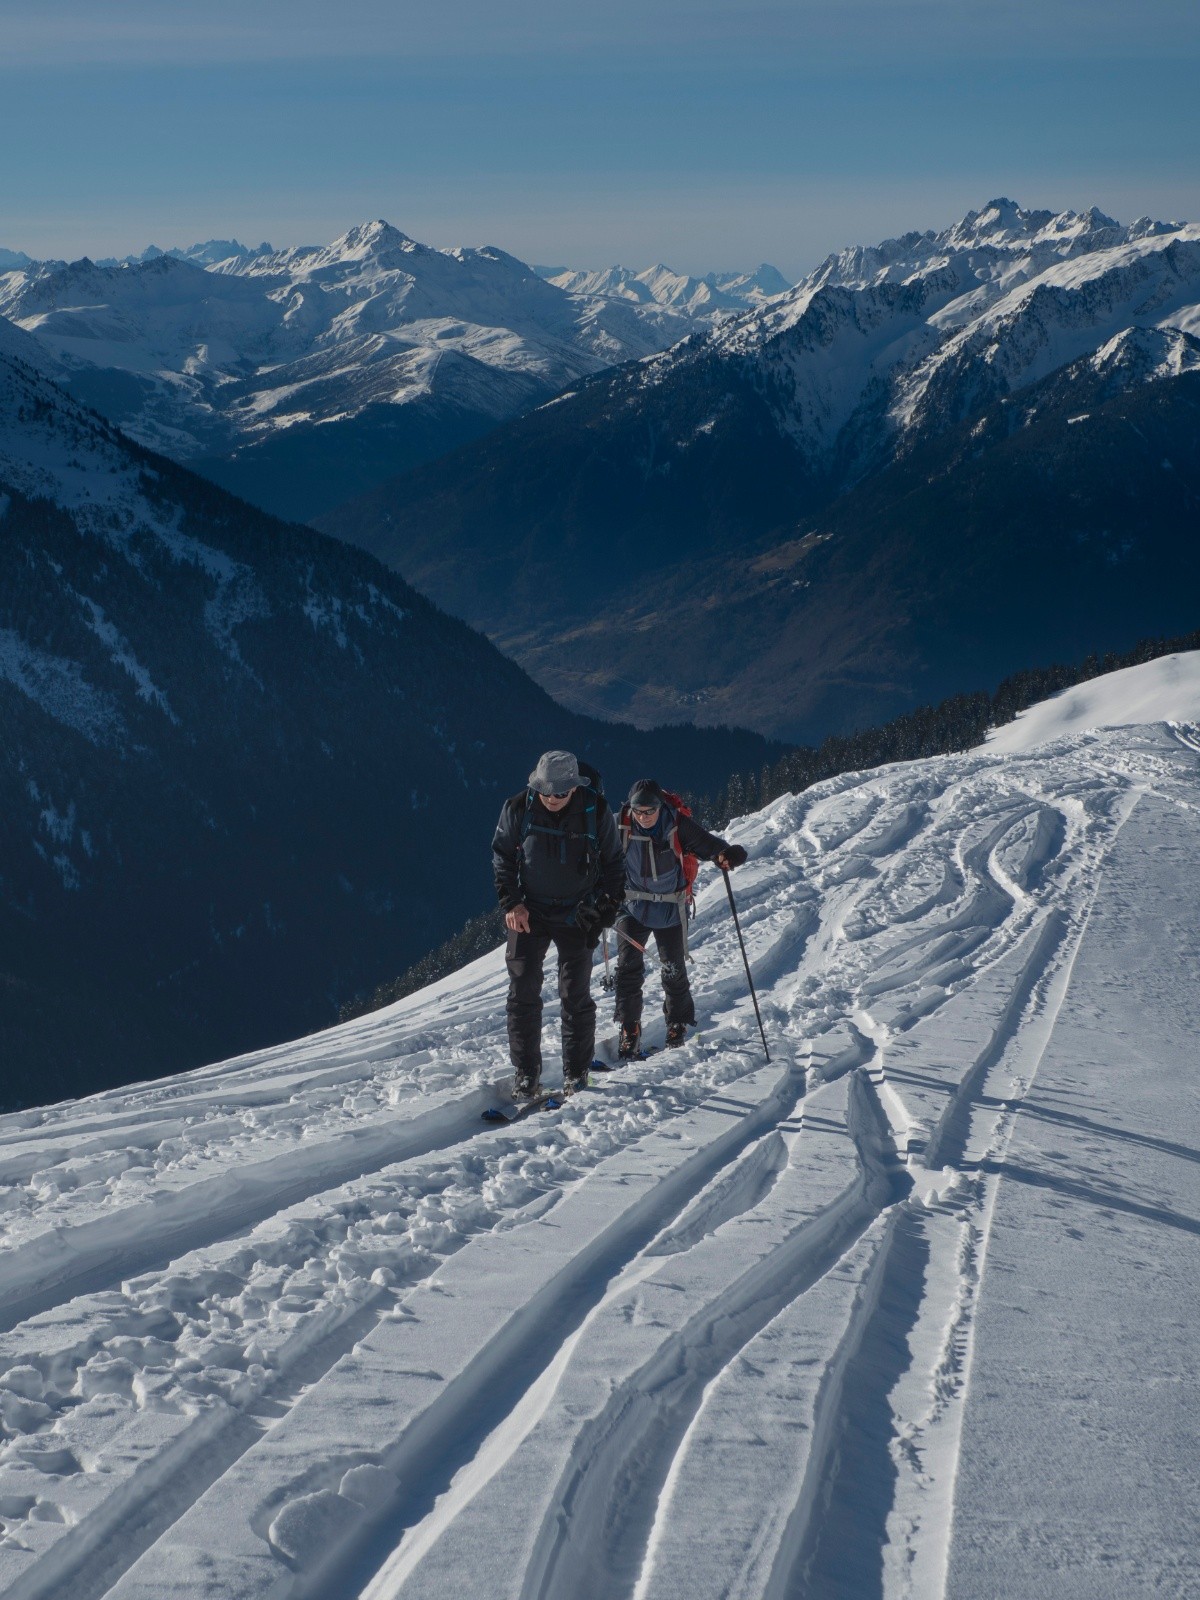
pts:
[525, 958]
[678, 1005]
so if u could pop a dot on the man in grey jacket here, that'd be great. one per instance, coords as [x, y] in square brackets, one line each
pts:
[560, 877]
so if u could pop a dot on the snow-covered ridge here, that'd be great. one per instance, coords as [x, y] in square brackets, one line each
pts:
[229, 346]
[300, 1323]
[1073, 309]
[1002, 244]
[206, 253]
[53, 449]
[1164, 690]
[704, 300]
[879, 347]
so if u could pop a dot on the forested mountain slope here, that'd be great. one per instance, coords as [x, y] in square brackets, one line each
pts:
[246, 769]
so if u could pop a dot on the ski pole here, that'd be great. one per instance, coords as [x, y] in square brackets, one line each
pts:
[608, 982]
[745, 961]
[628, 940]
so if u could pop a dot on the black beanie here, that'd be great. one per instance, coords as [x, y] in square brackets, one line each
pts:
[646, 792]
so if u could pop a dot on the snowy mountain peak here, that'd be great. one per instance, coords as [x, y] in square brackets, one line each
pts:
[378, 238]
[703, 300]
[204, 253]
[765, 281]
[1142, 355]
[1003, 215]
[492, 256]
[1003, 222]
[198, 358]
[993, 248]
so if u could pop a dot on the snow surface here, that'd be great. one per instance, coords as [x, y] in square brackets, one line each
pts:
[1164, 690]
[908, 1311]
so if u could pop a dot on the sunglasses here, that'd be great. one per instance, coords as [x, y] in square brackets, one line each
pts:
[643, 811]
[565, 795]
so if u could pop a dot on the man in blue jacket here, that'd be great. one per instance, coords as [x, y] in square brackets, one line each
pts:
[656, 839]
[556, 860]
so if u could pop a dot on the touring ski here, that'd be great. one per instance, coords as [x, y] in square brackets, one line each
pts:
[517, 1110]
[544, 1100]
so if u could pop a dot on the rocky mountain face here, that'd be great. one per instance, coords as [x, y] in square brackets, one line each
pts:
[684, 535]
[247, 770]
[300, 377]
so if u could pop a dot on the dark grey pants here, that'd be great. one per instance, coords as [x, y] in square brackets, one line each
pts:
[525, 958]
[678, 1005]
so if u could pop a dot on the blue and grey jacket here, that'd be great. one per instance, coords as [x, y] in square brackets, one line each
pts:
[655, 891]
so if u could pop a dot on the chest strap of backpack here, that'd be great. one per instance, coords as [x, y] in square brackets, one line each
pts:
[672, 841]
[564, 835]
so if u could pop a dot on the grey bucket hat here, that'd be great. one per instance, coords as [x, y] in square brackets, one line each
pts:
[555, 773]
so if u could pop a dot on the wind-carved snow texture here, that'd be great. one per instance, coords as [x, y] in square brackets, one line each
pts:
[302, 1324]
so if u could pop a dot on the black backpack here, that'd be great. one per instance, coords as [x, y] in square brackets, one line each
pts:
[593, 791]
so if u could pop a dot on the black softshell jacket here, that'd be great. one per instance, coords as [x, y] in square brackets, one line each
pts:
[556, 864]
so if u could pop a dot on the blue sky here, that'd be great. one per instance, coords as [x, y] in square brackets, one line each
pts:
[703, 134]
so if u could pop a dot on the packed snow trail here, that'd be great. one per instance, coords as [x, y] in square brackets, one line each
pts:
[303, 1325]
[1102, 1162]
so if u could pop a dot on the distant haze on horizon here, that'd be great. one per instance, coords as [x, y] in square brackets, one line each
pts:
[704, 135]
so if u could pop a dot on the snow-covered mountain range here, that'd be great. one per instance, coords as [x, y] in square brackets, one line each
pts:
[206, 253]
[749, 460]
[350, 360]
[878, 347]
[247, 770]
[705, 300]
[909, 1311]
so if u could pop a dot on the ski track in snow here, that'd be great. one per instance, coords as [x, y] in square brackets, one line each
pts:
[301, 1324]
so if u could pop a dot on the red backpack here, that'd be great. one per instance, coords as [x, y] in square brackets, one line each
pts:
[689, 862]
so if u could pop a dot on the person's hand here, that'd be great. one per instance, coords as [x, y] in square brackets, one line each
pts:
[732, 856]
[609, 910]
[517, 920]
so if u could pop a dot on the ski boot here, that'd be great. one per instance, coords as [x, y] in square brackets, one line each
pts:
[676, 1034]
[630, 1043]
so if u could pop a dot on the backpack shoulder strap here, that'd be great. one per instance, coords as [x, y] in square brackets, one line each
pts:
[527, 815]
[624, 825]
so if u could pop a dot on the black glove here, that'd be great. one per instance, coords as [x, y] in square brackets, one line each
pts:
[609, 910]
[732, 856]
[593, 916]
